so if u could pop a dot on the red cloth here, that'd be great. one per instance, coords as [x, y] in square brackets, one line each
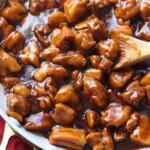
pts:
[15, 143]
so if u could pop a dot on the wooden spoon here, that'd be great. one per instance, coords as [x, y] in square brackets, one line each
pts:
[132, 50]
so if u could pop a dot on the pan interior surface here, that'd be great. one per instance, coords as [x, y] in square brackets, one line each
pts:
[34, 138]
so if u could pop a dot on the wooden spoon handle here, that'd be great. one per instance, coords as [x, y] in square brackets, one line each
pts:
[132, 50]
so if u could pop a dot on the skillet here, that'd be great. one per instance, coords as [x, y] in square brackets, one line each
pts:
[34, 138]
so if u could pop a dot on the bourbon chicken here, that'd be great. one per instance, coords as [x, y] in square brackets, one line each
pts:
[57, 61]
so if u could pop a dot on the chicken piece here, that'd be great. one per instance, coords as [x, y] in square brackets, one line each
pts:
[133, 93]
[42, 72]
[68, 137]
[31, 53]
[123, 29]
[5, 28]
[59, 73]
[133, 121]
[70, 59]
[40, 91]
[102, 63]
[116, 115]
[38, 122]
[9, 82]
[101, 140]
[14, 11]
[83, 24]
[145, 80]
[49, 53]
[17, 104]
[97, 28]
[36, 6]
[83, 42]
[32, 46]
[50, 84]
[22, 90]
[144, 32]
[63, 114]
[95, 92]
[99, 3]
[65, 38]
[98, 147]
[107, 139]
[94, 138]
[35, 103]
[138, 125]
[14, 115]
[94, 73]
[31, 58]
[55, 34]
[52, 93]
[148, 93]
[122, 22]
[42, 31]
[145, 9]
[108, 48]
[127, 9]
[74, 10]
[8, 63]
[14, 42]
[67, 95]
[119, 78]
[92, 118]
[45, 104]
[77, 78]
[119, 136]
[57, 19]
[4, 71]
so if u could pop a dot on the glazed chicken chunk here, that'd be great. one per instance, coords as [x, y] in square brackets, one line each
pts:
[133, 93]
[116, 115]
[18, 104]
[8, 63]
[68, 137]
[63, 114]
[74, 9]
[101, 140]
[92, 118]
[138, 125]
[5, 28]
[95, 92]
[127, 9]
[14, 11]
[38, 122]
[68, 95]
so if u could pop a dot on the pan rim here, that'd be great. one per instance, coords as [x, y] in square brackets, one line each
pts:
[23, 133]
